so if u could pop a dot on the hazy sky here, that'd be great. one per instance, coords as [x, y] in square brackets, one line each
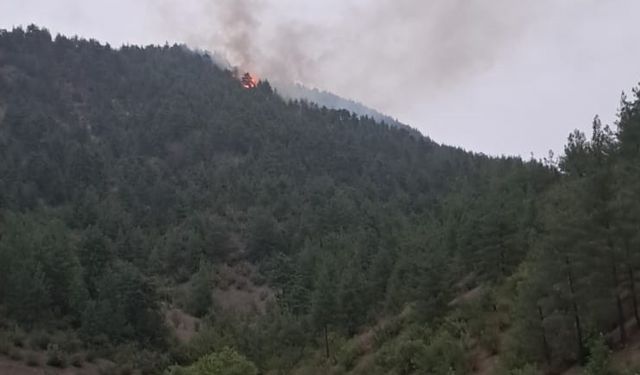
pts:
[495, 76]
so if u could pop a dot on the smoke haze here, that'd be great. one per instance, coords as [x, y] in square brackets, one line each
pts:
[408, 45]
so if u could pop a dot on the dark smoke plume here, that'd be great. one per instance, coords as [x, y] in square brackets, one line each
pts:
[360, 49]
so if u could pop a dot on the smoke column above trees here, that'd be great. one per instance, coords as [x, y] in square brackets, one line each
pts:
[423, 46]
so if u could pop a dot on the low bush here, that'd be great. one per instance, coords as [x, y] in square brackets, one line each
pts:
[15, 354]
[5, 345]
[91, 356]
[32, 359]
[125, 370]
[70, 344]
[39, 340]
[77, 360]
[258, 279]
[17, 337]
[242, 284]
[55, 357]
[263, 295]
[107, 369]
[599, 358]
[349, 353]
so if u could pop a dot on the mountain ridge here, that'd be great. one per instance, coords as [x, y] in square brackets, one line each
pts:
[143, 188]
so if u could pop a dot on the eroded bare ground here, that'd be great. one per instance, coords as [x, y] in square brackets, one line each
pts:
[240, 289]
[185, 326]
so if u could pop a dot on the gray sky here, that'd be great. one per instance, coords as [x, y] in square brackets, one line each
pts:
[495, 76]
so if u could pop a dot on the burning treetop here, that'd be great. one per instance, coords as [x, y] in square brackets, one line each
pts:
[248, 82]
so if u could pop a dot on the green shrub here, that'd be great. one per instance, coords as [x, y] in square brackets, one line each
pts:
[526, 370]
[242, 284]
[348, 354]
[225, 362]
[69, 343]
[263, 295]
[17, 337]
[126, 369]
[489, 340]
[388, 331]
[445, 354]
[150, 362]
[174, 317]
[91, 356]
[258, 280]
[401, 355]
[55, 357]
[599, 358]
[177, 370]
[15, 354]
[32, 359]
[39, 340]
[200, 297]
[631, 371]
[77, 360]
[107, 369]
[5, 345]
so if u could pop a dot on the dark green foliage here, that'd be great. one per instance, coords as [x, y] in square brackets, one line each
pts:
[77, 360]
[39, 341]
[158, 158]
[32, 360]
[225, 362]
[5, 344]
[598, 362]
[126, 307]
[38, 255]
[419, 351]
[264, 235]
[580, 282]
[201, 291]
[55, 357]
[125, 169]
[15, 354]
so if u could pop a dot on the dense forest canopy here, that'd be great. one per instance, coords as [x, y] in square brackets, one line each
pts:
[132, 179]
[297, 91]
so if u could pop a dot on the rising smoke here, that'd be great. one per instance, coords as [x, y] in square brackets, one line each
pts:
[383, 46]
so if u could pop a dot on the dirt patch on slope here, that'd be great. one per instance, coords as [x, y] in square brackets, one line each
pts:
[184, 325]
[238, 290]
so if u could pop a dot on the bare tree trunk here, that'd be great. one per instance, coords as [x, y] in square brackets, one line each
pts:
[545, 343]
[576, 315]
[326, 341]
[632, 281]
[614, 285]
[503, 267]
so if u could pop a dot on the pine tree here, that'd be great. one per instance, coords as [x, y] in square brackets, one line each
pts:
[324, 307]
[201, 292]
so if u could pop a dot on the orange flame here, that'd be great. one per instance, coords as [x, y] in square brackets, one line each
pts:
[248, 82]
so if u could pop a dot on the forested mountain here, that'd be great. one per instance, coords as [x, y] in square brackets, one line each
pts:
[297, 91]
[140, 187]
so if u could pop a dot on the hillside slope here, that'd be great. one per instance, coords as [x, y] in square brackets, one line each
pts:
[142, 188]
[296, 91]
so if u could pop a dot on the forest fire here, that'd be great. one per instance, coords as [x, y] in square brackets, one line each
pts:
[248, 82]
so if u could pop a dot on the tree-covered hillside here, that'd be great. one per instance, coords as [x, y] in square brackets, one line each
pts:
[133, 180]
[297, 91]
